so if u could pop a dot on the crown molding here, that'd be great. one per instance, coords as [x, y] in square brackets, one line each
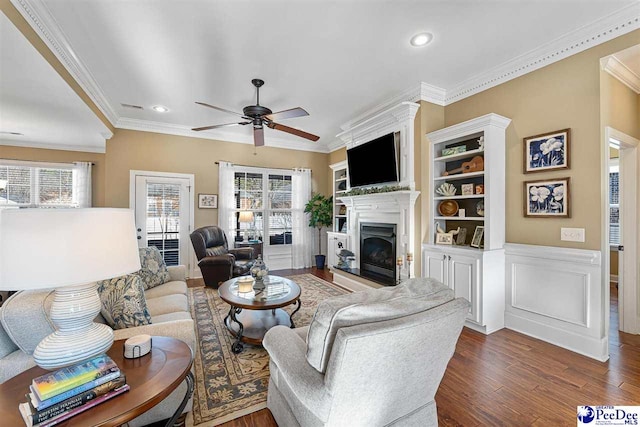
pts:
[468, 127]
[614, 25]
[54, 146]
[379, 123]
[38, 16]
[617, 69]
[216, 135]
[421, 92]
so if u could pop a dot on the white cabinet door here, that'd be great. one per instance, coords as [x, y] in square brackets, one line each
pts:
[434, 265]
[463, 279]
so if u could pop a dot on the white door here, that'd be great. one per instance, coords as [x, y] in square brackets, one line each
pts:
[162, 210]
[628, 231]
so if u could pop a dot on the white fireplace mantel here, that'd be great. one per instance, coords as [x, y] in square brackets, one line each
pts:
[396, 207]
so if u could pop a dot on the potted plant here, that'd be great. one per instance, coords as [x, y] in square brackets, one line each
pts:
[320, 210]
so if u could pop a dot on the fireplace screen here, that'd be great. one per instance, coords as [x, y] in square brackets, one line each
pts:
[378, 249]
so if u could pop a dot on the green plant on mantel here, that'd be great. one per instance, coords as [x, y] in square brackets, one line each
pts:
[320, 210]
[374, 190]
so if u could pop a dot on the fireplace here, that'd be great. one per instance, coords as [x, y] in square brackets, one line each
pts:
[378, 251]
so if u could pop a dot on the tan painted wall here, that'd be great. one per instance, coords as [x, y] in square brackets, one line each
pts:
[565, 94]
[619, 105]
[134, 150]
[42, 155]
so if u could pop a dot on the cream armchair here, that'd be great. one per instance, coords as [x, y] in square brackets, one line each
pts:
[373, 358]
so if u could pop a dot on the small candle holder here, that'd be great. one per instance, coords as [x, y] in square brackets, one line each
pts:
[409, 259]
[399, 264]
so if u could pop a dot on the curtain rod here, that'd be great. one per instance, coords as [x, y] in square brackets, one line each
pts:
[47, 161]
[258, 167]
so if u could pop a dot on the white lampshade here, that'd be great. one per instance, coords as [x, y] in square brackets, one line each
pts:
[246, 216]
[49, 248]
[68, 249]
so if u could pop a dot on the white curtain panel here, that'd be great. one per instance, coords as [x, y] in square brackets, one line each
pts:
[302, 238]
[225, 197]
[82, 184]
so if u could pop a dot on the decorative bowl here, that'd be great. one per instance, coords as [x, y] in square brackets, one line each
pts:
[448, 207]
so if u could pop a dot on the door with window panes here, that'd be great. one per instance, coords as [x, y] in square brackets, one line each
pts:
[268, 196]
[162, 216]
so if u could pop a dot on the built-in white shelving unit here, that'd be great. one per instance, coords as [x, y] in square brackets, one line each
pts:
[474, 273]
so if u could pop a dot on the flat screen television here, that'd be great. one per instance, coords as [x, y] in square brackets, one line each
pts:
[374, 162]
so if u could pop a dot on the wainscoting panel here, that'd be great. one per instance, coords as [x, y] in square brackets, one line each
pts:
[557, 295]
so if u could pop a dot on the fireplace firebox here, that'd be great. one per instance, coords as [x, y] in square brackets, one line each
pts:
[378, 251]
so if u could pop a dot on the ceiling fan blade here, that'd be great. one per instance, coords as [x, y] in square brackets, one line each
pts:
[219, 109]
[293, 131]
[287, 114]
[258, 137]
[219, 126]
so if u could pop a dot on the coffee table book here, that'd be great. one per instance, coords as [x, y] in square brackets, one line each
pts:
[41, 415]
[42, 404]
[69, 377]
[26, 414]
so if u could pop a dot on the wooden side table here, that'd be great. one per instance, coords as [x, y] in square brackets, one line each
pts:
[151, 377]
[255, 244]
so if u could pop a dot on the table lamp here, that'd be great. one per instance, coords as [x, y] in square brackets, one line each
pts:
[245, 217]
[69, 250]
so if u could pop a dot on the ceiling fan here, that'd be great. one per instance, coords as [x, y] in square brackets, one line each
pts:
[259, 116]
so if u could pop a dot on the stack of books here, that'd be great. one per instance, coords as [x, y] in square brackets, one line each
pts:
[59, 395]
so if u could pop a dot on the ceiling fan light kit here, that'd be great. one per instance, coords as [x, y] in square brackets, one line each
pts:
[258, 116]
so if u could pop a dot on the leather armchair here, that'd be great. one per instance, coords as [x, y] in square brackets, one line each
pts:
[216, 260]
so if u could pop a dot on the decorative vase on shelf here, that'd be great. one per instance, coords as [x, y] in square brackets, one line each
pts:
[259, 271]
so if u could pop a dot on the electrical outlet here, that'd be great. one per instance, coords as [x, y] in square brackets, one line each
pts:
[572, 234]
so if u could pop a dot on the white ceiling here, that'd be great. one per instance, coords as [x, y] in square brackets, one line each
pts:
[36, 102]
[336, 59]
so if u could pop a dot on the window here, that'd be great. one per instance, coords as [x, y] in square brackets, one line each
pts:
[268, 196]
[614, 203]
[36, 186]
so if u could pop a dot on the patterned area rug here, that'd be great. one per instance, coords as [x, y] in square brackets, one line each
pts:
[228, 386]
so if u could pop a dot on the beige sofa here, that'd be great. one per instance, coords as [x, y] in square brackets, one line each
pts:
[24, 322]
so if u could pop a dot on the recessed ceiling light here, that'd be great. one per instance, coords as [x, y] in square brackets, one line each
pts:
[421, 39]
[160, 108]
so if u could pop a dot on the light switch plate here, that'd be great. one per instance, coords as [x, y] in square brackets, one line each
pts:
[572, 234]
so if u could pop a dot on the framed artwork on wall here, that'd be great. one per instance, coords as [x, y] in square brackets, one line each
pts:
[548, 198]
[547, 151]
[207, 201]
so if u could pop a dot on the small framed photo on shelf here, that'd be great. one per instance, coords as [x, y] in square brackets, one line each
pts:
[467, 189]
[478, 235]
[548, 198]
[547, 151]
[444, 239]
[207, 201]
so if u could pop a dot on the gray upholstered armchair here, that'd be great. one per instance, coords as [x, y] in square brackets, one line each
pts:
[372, 358]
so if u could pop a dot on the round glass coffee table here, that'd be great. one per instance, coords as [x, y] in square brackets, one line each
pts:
[253, 313]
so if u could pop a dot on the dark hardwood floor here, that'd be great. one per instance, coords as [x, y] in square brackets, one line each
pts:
[508, 378]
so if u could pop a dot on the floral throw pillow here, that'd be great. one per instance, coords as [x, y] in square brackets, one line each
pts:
[123, 302]
[153, 271]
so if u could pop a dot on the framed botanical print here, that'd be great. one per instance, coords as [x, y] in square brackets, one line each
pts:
[547, 198]
[548, 151]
